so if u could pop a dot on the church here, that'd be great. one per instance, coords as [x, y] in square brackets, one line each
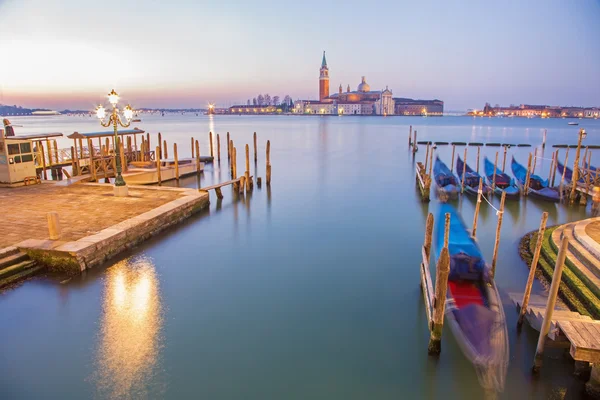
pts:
[362, 101]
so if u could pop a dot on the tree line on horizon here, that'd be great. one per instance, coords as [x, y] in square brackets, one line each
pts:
[267, 100]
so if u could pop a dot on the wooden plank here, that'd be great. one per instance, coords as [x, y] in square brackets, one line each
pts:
[207, 188]
[570, 332]
[590, 334]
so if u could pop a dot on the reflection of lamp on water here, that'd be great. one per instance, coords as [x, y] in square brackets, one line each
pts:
[130, 330]
[114, 119]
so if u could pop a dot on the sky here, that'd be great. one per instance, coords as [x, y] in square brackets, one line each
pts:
[179, 53]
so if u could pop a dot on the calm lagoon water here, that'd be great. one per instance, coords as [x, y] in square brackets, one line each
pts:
[309, 290]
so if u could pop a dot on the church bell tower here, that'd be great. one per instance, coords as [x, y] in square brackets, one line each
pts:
[324, 80]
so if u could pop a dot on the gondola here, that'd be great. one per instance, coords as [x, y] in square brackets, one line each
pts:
[474, 309]
[538, 187]
[568, 172]
[503, 182]
[471, 179]
[444, 178]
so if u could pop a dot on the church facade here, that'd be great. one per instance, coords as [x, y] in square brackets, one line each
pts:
[362, 101]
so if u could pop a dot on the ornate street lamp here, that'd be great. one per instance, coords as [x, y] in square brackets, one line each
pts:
[114, 119]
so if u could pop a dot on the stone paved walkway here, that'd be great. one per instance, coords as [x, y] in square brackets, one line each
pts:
[83, 209]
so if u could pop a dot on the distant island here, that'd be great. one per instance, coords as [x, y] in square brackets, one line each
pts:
[536, 111]
[15, 110]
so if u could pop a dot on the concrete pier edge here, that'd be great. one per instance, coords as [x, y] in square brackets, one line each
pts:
[72, 257]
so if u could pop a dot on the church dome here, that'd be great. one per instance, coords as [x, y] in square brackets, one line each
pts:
[364, 86]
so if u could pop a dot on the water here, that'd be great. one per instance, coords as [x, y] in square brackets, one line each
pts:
[307, 290]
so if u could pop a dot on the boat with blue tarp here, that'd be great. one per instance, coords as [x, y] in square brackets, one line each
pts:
[444, 178]
[503, 182]
[471, 179]
[538, 187]
[474, 309]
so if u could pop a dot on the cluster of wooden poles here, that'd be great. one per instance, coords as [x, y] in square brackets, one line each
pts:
[243, 183]
[435, 307]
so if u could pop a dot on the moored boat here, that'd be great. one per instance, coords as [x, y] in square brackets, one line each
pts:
[444, 178]
[567, 171]
[503, 182]
[538, 187]
[471, 179]
[474, 309]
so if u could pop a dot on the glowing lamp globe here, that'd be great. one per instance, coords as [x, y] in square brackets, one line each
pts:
[113, 97]
[100, 112]
[128, 112]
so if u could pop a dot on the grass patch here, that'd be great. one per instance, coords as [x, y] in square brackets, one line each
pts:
[585, 293]
[544, 273]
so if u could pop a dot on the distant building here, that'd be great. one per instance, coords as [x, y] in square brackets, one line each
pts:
[538, 111]
[406, 106]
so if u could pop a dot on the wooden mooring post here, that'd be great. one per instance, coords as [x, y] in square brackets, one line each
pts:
[439, 301]
[268, 171]
[430, 166]
[494, 176]
[92, 167]
[176, 161]
[504, 160]
[159, 145]
[233, 162]
[228, 148]
[534, 161]
[554, 168]
[231, 159]
[56, 152]
[192, 146]
[498, 228]
[476, 215]
[211, 144]
[165, 153]
[551, 170]
[248, 182]
[426, 156]
[218, 148]
[426, 284]
[576, 168]
[255, 149]
[477, 163]
[452, 158]
[544, 139]
[556, 277]
[409, 136]
[197, 158]
[415, 147]
[74, 161]
[158, 165]
[527, 177]
[534, 262]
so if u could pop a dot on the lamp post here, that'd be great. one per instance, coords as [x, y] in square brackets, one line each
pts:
[582, 136]
[114, 119]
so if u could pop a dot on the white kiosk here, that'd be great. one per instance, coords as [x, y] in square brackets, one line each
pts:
[17, 158]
